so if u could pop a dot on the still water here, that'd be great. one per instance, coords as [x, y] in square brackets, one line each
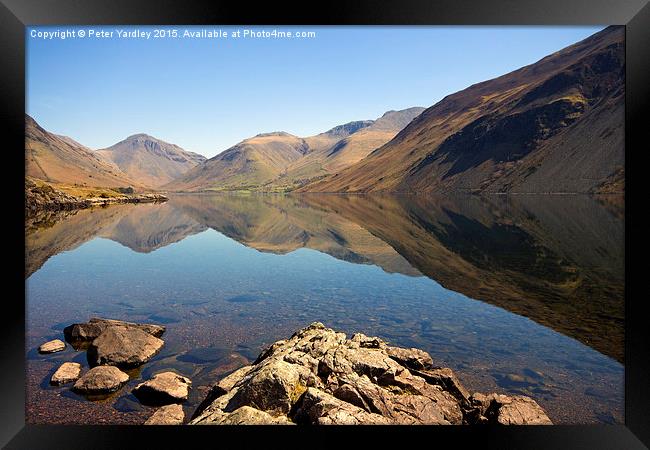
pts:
[518, 294]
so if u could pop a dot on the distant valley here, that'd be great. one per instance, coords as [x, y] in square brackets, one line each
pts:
[280, 161]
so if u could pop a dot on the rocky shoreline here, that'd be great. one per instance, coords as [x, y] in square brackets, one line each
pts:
[316, 377]
[47, 198]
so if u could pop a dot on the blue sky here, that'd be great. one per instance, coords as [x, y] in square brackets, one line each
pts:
[208, 94]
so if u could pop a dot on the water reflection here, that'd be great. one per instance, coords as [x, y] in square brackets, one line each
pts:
[557, 261]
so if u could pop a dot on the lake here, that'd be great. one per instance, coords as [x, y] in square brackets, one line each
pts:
[517, 294]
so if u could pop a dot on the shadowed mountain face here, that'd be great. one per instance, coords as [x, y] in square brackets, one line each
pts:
[59, 159]
[557, 260]
[553, 126]
[282, 161]
[151, 161]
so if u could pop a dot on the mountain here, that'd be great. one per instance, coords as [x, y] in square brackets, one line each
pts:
[346, 150]
[554, 126]
[59, 159]
[250, 163]
[282, 161]
[149, 160]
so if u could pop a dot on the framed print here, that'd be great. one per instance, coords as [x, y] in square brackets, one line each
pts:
[407, 219]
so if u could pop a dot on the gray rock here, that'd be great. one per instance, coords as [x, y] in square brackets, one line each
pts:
[101, 380]
[56, 345]
[167, 415]
[123, 346]
[66, 373]
[318, 376]
[163, 388]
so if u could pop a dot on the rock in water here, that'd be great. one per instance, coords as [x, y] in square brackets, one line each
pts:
[101, 380]
[318, 376]
[167, 415]
[163, 388]
[123, 346]
[66, 373]
[56, 345]
[87, 332]
[507, 410]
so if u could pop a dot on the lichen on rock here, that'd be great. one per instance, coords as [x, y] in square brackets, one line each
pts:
[320, 377]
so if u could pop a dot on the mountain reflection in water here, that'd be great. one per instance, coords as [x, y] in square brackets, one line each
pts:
[518, 294]
[558, 260]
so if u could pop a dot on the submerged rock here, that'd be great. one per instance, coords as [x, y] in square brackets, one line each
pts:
[56, 345]
[101, 380]
[89, 331]
[163, 388]
[66, 373]
[123, 346]
[318, 376]
[167, 415]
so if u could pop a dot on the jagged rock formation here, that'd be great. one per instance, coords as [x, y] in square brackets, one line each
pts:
[318, 376]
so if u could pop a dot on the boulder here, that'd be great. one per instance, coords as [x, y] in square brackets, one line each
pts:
[101, 380]
[89, 331]
[319, 377]
[167, 415]
[123, 346]
[56, 345]
[163, 388]
[66, 373]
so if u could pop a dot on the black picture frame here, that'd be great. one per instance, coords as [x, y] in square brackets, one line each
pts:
[15, 15]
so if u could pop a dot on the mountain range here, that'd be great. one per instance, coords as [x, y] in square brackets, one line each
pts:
[282, 161]
[555, 126]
